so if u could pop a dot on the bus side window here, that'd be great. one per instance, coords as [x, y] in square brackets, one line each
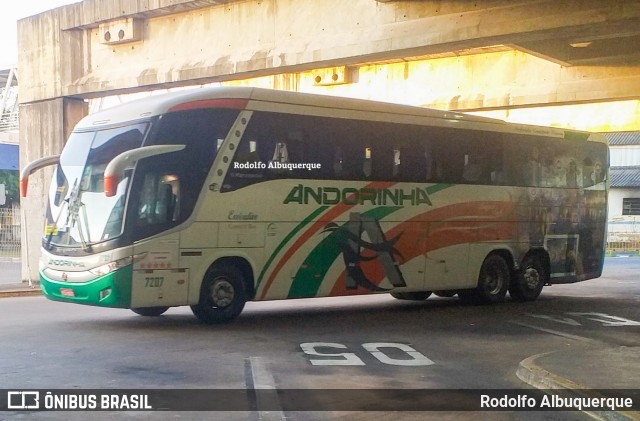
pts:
[338, 162]
[159, 201]
[353, 157]
[383, 162]
[412, 164]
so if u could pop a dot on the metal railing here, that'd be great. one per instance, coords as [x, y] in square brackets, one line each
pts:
[627, 243]
[10, 245]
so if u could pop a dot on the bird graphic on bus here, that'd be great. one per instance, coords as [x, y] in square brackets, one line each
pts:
[348, 238]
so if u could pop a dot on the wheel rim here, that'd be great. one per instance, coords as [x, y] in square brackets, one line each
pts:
[221, 292]
[494, 280]
[531, 278]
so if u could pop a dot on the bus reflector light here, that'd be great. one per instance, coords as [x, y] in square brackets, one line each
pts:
[67, 292]
[105, 293]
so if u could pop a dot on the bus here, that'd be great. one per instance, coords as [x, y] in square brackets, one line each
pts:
[213, 197]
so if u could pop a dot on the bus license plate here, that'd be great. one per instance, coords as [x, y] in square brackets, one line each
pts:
[67, 292]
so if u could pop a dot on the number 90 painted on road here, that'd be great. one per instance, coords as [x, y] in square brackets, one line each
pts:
[374, 348]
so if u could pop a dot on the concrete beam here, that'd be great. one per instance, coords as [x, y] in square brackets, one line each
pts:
[583, 53]
[199, 41]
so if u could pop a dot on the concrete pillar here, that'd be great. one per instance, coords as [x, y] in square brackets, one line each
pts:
[44, 129]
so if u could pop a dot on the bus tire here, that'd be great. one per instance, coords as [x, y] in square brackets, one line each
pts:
[150, 311]
[529, 280]
[222, 296]
[493, 282]
[414, 295]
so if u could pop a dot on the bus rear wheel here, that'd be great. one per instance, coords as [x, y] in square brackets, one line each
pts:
[222, 296]
[414, 295]
[493, 282]
[529, 280]
[150, 311]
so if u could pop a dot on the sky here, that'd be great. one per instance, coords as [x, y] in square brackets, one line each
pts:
[10, 12]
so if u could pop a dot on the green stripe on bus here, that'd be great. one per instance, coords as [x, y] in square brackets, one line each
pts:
[286, 239]
[314, 268]
[438, 187]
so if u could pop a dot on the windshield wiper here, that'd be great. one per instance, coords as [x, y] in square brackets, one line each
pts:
[75, 204]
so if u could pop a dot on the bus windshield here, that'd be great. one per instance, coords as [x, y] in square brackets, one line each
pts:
[78, 212]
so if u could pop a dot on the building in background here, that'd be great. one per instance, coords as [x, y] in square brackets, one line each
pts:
[8, 102]
[9, 166]
[624, 195]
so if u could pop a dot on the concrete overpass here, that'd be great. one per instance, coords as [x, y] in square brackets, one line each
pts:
[449, 54]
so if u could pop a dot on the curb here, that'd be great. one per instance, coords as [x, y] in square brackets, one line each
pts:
[26, 292]
[534, 375]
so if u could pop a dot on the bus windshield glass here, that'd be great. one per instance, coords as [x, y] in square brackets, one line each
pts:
[79, 213]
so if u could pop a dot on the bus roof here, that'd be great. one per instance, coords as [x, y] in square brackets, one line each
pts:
[159, 104]
[155, 105]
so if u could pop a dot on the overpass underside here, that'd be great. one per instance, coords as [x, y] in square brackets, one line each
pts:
[471, 56]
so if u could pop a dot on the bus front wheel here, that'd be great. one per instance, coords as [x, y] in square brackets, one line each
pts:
[529, 280]
[222, 296]
[150, 311]
[493, 282]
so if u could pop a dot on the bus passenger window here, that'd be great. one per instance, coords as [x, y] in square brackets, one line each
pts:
[353, 162]
[159, 201]
[396, 163]
[281, 154]
[472, 171]
[411, 164]
[384, 163]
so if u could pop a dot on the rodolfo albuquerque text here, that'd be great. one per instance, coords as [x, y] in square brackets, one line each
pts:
[275, 165]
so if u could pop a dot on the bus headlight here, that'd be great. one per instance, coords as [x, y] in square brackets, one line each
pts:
[111, 266]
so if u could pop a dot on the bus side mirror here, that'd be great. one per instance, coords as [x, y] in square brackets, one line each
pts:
[113, 172]
[32, 167]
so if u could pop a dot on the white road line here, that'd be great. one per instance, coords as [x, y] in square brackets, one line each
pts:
[559, 333]
[266, 393]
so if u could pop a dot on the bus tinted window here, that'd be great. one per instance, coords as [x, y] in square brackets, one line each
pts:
[540, 162]
[336, 149]
[343, 149]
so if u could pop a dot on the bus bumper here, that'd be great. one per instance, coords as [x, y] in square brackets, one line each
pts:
[110, 290]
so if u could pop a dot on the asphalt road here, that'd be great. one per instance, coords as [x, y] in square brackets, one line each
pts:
[9, 271]
[331, 343]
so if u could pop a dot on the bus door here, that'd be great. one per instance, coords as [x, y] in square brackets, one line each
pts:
[157, 278]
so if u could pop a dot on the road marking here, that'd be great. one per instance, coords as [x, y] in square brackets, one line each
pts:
[262, 387]
[559, 333]
[416, 357]
[564, 320]
[606, 319]
[344, 358]
[349, 358]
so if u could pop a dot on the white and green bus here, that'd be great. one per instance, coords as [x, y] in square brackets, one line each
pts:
[217, 196]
